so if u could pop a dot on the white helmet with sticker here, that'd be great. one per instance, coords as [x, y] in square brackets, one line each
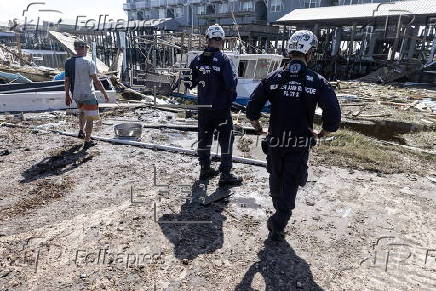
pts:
[302, 41]
[215, 31]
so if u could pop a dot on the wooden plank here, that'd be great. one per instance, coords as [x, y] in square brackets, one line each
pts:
[67, 42]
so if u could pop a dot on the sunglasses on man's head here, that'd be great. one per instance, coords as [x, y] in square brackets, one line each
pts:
[216, 38]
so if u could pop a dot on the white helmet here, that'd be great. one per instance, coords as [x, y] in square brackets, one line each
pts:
[302, 41]
[215, 31]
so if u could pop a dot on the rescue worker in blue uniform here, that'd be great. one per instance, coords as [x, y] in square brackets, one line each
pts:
[215, 76]
[294, 93]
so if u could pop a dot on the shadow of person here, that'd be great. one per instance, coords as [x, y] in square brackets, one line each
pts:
[280, 268]
[62, 162]
[197, 229]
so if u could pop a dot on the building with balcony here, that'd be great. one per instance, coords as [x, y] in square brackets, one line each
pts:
[200, 13]
[253, 17]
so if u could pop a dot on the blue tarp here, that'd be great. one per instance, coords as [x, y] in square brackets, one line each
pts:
[59, 77]
[14, 78]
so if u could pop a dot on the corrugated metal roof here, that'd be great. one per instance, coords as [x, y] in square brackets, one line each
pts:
[419, 7]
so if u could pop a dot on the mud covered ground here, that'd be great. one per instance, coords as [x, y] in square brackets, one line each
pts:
[117, 217]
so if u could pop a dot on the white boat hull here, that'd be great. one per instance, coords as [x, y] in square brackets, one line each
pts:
[42, 101]
[246, 87]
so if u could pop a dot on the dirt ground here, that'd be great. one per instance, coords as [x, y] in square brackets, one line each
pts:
[118, 217]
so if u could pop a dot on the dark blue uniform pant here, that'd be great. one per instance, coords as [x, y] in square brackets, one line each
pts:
[288, 171]
[220, 123]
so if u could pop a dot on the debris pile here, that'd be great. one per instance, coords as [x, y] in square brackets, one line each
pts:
[393, 72]
[125, 92]
[11, 56]
[18, 68]
[367, 100]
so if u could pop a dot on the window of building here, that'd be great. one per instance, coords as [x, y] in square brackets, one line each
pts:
[170, 13]
[223, 8]
[311, 3]
[247, 6]
[276, 5]
[201, 9]
[350, 2]
[162, 13]
[233, 4]
[178, 12]
[210, 9]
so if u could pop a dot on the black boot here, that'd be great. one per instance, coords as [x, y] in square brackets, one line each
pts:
[229, 179]
[81, 134]
[206, 172]
[88, 144]
[274, 234]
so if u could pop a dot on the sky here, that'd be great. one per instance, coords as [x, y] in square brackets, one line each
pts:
[67, 9]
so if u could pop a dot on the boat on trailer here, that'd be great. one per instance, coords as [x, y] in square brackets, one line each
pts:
[252, 68]
[42, 96]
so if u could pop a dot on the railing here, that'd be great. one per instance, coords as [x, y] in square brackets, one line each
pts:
[174, 2]
[226, 14]
[142, 5]
[158, 3]
[128, 6]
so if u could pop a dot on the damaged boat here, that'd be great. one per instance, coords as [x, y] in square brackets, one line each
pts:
[42, 96]
[252, 68]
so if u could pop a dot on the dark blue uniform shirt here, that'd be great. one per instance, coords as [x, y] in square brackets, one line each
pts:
[294, 92]
[215, 75]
